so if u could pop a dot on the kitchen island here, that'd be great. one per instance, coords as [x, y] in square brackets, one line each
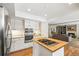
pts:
[48, 47]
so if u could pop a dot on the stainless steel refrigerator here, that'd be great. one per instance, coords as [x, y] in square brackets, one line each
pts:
[5, 33]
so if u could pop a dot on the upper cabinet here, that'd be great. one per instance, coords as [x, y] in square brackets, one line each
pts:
[32, 24]
[17, 24]
[27, 24]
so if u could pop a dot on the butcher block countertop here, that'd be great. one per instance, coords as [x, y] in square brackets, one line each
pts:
[52, 48]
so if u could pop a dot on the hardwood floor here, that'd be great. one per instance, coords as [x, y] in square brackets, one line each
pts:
[24, 52]
[69, 51]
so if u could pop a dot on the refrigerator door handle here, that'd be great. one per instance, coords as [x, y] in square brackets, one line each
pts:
[8, 38]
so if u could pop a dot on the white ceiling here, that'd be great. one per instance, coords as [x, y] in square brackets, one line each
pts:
[53, 10]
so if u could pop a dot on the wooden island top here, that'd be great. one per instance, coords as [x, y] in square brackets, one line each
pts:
[52, 48]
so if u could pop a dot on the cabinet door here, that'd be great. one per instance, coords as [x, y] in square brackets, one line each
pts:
[17, 24]
[27, 24]
[44, 51]
[39, 50]
[36, 50]
[19, 44]
[59, 52]
[31, 24]
[36, 26]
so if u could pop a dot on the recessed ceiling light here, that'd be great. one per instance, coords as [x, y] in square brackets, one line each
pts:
[28, 9]
[45, 15]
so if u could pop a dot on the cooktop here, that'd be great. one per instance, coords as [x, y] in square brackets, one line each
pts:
[48, 42]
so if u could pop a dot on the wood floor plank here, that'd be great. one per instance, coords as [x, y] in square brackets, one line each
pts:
[24, 52]
[72, 51]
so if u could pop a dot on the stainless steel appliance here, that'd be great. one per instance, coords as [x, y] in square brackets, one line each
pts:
[28, 35]
[5, 33]
[48, 42]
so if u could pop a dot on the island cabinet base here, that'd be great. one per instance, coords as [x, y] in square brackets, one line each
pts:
[39, 50]
[59, 52]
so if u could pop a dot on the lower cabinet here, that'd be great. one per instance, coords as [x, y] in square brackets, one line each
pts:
[36, 50]
[18, 44]
[59, 52]
[39, 50]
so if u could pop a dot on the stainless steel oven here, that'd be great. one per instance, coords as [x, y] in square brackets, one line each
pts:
[28, 35]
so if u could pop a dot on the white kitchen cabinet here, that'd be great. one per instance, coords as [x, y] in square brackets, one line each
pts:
[36, 49]
[59, 52]
[18, 44]
[27, 23]
[32, 24]
[17, 24]
[39, 50]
